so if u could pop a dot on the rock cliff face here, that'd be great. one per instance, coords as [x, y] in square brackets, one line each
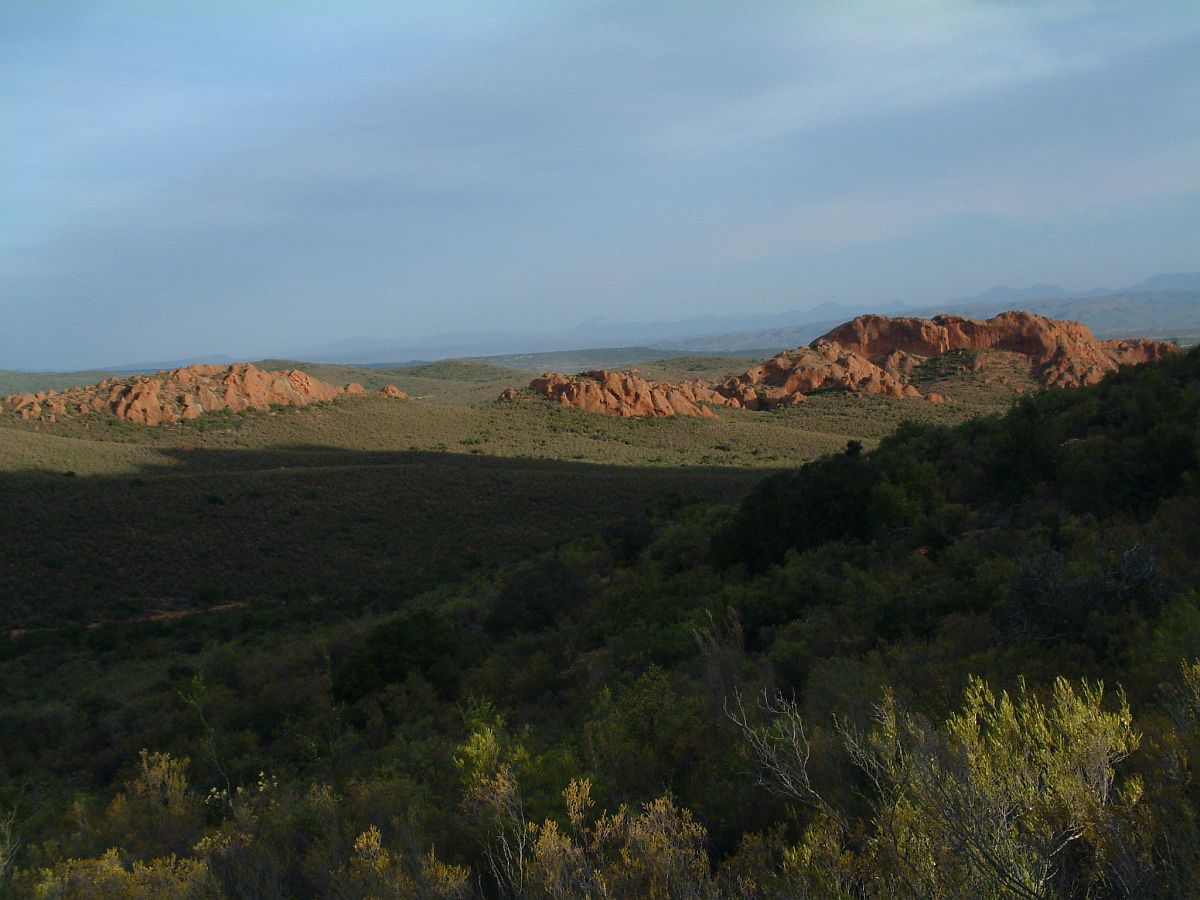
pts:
[178, 395]
[871, 355]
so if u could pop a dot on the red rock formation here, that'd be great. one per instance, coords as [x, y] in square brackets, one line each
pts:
[180, 394]
[390, 390]
[786, 379]
[1061, 353]
[871, 355]
[624, 394]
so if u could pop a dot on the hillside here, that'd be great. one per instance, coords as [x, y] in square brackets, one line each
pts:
[12, 382]
[616, 660]
[454, 381]
[372, 492]
[606, 646]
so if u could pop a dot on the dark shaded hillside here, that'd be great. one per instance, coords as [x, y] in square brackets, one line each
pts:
[927, 625]
[1118, 450]
[224, 526]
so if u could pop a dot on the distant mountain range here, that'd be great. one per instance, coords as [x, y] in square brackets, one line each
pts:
[590, 334]
[1169, 281]
[1162, 306]
[1126, 314]
[1166, 305]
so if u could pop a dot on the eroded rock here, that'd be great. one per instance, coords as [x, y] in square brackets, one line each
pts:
[180, 394]
[624, 394]
[869, 355]
[1061, 353]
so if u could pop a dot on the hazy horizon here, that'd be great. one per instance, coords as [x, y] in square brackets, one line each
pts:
[218, 179]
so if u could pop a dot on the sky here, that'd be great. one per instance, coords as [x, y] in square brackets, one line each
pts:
[252, 179]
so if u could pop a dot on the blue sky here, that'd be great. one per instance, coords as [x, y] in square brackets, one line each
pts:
[182, 179]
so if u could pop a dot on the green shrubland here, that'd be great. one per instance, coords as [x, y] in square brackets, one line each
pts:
[960, 663]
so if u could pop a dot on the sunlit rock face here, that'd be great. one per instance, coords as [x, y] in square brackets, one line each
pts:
[869, 355]
[179, 394]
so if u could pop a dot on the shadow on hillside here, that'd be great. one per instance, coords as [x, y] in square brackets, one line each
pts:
[218, 526]
[317, 455]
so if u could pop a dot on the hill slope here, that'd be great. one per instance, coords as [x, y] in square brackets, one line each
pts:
[856, 596]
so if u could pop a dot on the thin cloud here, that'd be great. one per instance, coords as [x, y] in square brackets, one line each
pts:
[421, 175]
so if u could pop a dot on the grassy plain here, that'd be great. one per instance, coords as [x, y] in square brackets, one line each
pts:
[15, 382]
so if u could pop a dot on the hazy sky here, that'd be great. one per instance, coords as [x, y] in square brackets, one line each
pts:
[192, 178]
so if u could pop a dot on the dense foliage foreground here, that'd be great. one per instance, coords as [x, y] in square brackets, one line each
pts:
[962, 665]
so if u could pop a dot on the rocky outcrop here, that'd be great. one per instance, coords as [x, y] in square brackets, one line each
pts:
[878, 355]
[179, 394]
[788, 378]
[390, 390]
[868, 355]
[1061, 353]
[624, 394]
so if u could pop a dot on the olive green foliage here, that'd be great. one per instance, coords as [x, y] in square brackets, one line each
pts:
[413, 643]
[1011, 797]
[375, 871]
[107, 877]
[975, 648]
[1120, 448]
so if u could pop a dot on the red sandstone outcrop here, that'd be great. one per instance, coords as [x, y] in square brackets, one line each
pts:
[390, 390]
[870, 355]
[1061, 353]
[624, 394]
[180, 394]
[788, 378]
